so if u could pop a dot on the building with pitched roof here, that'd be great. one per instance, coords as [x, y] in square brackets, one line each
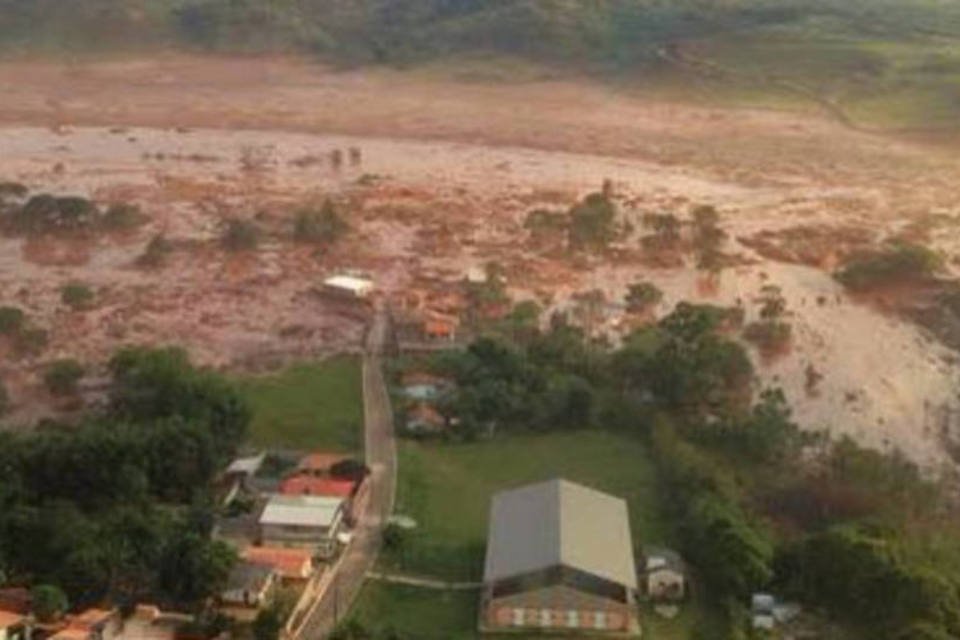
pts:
[559, 558]
[310, 522]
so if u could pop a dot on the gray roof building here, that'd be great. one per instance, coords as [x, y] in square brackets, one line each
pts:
[559, 524]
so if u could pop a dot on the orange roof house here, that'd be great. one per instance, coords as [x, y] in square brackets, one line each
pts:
[319, 463]
[15, 600]
[291, 564]
[8, 620]
[424, 418]
[309, 485]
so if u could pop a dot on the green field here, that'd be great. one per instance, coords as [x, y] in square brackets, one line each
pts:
[308, 406]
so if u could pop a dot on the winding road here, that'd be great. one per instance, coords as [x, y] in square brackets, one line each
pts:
[381, 456]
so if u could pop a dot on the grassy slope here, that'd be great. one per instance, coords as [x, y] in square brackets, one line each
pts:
[886, 63]
[308, 406]
[447, 489]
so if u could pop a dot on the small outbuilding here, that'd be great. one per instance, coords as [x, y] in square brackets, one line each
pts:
[664, 575]
[349, 287]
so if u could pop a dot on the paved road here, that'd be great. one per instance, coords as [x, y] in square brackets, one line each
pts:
[381, 457]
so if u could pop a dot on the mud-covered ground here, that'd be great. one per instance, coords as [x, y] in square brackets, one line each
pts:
[448, 173]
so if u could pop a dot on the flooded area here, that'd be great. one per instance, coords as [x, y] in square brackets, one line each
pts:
[423, 214]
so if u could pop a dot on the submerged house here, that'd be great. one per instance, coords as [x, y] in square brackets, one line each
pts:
[559, 558]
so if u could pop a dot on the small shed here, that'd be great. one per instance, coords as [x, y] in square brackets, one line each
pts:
[349, 287]
[664, 574]
[250, 585]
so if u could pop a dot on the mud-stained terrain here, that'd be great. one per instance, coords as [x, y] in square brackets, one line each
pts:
[446, 176]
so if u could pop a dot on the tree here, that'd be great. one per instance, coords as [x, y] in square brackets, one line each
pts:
[12, 320]
[194, 568]
[641, 296]
[592, 222]
[665, 228]
[62, 376]
[152, 384]
[267, 624]
[48, 602]
[708, 238]
[77, 296]
[4, 399]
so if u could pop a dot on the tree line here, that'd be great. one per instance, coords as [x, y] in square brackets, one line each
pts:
[117, 508]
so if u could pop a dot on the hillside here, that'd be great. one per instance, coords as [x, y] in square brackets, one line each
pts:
[881, 63]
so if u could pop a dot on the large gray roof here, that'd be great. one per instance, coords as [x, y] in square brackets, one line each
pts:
[559, 523]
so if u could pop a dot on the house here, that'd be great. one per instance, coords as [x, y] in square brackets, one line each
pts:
[762, 606]
[423, 418]
[92, 624]
[245, 467]
[419, 385]
[559, 558]
[664, 574]
[12, 626]
[320, 463]
[238, 477]
[308, 485]
[348, 287]
[290, 565]
[250, 586]
[302, 521]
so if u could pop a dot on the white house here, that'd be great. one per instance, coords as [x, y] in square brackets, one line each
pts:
[347, 286]
[302, 521]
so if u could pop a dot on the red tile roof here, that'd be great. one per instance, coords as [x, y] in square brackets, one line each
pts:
[15, 600]
[8, 619]
[308, 485]
[289, 563]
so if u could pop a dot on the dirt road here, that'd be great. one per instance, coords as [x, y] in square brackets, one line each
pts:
[381, 457]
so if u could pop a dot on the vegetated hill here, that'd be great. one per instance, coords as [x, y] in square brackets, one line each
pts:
[890, 62]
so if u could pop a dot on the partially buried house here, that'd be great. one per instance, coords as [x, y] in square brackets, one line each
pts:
[559, 558]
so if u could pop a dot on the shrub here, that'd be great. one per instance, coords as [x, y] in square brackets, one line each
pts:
[642, 295]
[31, 341]
[240, 235]
[897, 262]
[77, 296]
[4, 399]
[156, 252]
[123, 216]
[12, 190]
[44, 213]
[324, 226]
[62, 376]
[11, 320]
[49, 602]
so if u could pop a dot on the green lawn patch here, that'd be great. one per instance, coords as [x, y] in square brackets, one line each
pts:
[426, 614]
[308, 406]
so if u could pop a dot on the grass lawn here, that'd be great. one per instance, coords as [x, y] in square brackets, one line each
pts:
[424, 614]
[308, 406]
